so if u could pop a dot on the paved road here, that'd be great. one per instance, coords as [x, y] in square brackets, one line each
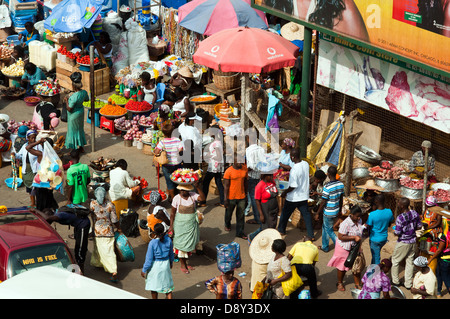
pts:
[187, 286]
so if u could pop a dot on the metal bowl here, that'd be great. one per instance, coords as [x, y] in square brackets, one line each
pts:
[367, 154]
[355, 293]
[389, 185]
[360, 172]
[411, 193]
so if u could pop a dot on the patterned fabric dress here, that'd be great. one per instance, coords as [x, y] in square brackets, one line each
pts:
[374, 282]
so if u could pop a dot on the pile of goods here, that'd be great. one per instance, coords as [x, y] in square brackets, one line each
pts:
[185, 176]
[48, 87]
[103, 164]
[442, 195]
[86, 60]
[148, 120]
[12, 91]
[122, 124]
[13, 126]
[135, 106]
[163, 195]
[112, 110]
[14, 70]
[98, 104]
[147, 138]
[203, 99]
[411, 183]
[386, 171]
[70, 55]
[133, 133]
[117, 99]
[142, 182]
[225, 114]
[49, 175]
[5, 52]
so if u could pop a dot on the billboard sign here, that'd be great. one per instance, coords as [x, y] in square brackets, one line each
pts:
[418, 30]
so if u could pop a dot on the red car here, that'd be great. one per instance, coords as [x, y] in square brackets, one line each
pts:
[27, 241]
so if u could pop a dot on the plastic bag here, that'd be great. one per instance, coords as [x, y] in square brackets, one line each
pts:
[228, 256]
[129, 223]
[259, 289]
[124, 250]
[120, 60]
[137, 45]
[50, 173]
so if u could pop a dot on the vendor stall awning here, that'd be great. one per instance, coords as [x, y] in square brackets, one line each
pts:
[71, 16]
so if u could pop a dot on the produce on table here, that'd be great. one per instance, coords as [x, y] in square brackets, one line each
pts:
[73, 56]
[386, 173]
[112, 110]
[133, 133]
[48, 87]
[205, 98]
[14, 70]
[117, 99]
[186, 175]
[138, 106]
[13, 126]
[146, 121]
[124, 124]
[5, 52]
[86, 60]
[142, 181]
[97, 104]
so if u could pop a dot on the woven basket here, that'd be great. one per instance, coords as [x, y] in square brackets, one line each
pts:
[357, 162]
[227, 82]
[147, 149]
[295, 218]
[144, 235]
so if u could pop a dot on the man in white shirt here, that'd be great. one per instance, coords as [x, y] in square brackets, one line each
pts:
[188, 131]
[121, 183]
[297, 195]
[253, 155]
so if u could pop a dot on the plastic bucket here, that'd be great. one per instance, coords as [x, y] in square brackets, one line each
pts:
[12, 38]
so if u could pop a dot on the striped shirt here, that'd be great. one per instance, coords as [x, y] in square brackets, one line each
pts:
[217, 285]
[332, 193]
[172, 146]
[406, 225]
[349, 228]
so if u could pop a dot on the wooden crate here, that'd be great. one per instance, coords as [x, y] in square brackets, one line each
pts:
[17, 6]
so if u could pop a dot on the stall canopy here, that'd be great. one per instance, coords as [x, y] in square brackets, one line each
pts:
[72, 16]
[208, 17]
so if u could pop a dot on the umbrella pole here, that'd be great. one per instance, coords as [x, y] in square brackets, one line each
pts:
[244, 99]
[304, 102]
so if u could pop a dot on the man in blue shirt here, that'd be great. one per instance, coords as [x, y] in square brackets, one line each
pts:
[332, 196]
[29, 34]
[378, 224]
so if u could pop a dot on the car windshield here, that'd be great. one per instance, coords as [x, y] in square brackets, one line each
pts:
[38, 256]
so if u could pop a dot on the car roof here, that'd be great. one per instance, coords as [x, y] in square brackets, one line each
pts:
[22, 228]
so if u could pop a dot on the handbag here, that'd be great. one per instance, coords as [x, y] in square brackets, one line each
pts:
[268, 293]
[293, 283]
[161, 159]
[354, 251]
[259, 289]
[359, 264]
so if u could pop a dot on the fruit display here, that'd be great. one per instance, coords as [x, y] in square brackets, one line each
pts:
[14, 70]
[112, 110]
[135, 106]
[163, 195]
[86, 60]
[48, 87]
[203, 99]
[117, 99]
[103, 164]
[13, 126]
[98, 104]
[5, 52]
[70, 55]
[142, 182]
[133, 133]
[186, 176]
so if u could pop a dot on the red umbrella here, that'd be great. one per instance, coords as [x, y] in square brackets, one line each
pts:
[246, 50]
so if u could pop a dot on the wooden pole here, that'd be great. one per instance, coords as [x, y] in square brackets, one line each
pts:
[92, 89]
[425, 180]
[304, 98]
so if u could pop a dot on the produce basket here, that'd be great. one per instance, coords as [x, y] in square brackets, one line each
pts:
[228, 81]
[202, 99]
[147, 149]
[13, 95]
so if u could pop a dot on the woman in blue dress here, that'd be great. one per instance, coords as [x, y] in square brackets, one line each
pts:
[285, 161]
[75, 137]
[158, 264]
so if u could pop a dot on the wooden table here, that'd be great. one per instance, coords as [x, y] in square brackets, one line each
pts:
[211, 88]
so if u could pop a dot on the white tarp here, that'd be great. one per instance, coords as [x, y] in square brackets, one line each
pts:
[49, 282]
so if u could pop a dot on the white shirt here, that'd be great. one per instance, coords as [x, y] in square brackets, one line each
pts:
[188, 132]
[33, 160]
[253, 155]
[179, 106]
[120, 184]
[299, 180]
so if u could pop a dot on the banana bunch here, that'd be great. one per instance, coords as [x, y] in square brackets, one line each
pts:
[15, 69]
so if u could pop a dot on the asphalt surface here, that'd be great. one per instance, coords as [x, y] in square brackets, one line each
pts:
[212, 233]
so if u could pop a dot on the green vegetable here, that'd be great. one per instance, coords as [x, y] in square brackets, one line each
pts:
[98, 104]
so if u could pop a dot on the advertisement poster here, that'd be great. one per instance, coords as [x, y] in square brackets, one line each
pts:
[384, 84]
[416, 29]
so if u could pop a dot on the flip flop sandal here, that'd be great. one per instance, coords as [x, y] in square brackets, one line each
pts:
[227, 229]
[190, 267]
[186, 271]
[340, 286]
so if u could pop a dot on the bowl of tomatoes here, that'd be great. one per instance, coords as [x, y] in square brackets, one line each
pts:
[85, 62]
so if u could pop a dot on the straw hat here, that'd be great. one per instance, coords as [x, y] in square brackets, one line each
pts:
[370, 184]
[185, 187]
[186, 72]
[292, 31]
[260, 249]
